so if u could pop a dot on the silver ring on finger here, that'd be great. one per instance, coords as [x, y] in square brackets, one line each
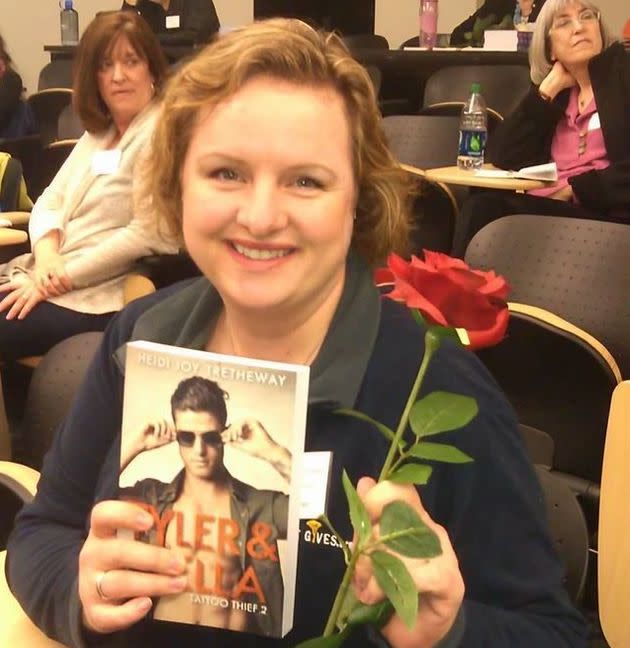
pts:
[99, 585]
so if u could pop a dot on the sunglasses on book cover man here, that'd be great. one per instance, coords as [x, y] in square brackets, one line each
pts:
[210, 438]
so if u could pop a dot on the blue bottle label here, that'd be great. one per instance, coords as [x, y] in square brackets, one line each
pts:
[472, 143]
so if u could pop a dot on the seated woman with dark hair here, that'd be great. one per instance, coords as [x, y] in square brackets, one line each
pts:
[15, 120]
[84, 231]
[574, 115]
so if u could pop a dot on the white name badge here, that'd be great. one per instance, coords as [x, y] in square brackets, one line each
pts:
[315, 478]
[106, 162]
[172, 22]
[593, 122]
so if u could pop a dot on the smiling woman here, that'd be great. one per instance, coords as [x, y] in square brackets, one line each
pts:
[573, 116]
[270, 162]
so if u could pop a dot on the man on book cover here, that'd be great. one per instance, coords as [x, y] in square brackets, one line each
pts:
[226, 530]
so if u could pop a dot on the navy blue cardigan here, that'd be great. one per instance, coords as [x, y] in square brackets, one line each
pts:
[492, 508]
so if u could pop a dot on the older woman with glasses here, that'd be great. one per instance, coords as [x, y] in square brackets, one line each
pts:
[574, 115]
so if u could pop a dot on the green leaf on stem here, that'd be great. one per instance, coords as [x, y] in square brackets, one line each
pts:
[445, 332]
[333, 641]
[418, 541]
[439, 452]
[358, 514]
[411, 473]
[397, 584]
[381, 427]
[377, 615]
[441, 412]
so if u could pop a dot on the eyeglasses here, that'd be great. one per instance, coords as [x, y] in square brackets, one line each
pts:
[210, 438]
[585, 17]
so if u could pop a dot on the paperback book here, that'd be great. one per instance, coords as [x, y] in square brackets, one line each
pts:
[547, 172]
[212, 446]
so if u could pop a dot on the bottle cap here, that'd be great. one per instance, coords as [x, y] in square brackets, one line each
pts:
[476, 88]
[67, 4]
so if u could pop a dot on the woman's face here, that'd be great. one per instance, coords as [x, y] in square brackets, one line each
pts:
[124, 82]
[575, 35]
[268, 196]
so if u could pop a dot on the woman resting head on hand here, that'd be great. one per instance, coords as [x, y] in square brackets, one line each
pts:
[270, 163]
[84, 231]
[570, 116]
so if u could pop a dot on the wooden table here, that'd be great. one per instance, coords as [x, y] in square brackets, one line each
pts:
[16, 629]
[455, 176]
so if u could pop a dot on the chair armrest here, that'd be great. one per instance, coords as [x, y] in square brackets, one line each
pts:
[20, 479]
[17, 217]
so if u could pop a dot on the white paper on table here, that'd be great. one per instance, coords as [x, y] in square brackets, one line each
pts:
[546, 172]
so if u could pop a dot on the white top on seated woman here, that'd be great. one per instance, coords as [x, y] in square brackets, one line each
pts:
[85, 232]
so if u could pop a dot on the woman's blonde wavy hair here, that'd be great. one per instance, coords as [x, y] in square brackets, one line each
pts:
[291, 51]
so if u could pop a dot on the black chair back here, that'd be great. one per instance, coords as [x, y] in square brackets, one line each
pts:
[502, 86]
[568, 531]
[575, 268]
[53, 386]
[47, 106]
[365, 41]
[423, 141]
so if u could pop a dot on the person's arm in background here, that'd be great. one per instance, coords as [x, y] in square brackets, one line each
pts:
[609, 188]
[10, 95]
[524, 137]
[115, 254]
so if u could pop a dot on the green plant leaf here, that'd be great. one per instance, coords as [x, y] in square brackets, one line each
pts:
[439, 452]
[419, 541]
[397, 584]
[441, 412]
[334, 641]
[358, 514]
[381, 427]
[377, 615]
[411, 473]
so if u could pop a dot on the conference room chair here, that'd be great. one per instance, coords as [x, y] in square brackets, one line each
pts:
[568, 530]
[56, 74]
[614, 522]
[576, 268]
[47, 106]
[365, 41]
[502, 86]
[559, 379]
[419, 142]
[69, 124]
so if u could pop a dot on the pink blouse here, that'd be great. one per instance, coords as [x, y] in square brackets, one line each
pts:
[577, 145]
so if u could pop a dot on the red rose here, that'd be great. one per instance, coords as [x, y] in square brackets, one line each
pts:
[447, 292]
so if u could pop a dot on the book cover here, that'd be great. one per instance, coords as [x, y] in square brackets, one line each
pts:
[213, 446]
[547, 172]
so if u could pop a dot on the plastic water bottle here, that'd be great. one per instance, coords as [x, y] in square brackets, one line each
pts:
[69, 20]
[428, 17]
[473, 130]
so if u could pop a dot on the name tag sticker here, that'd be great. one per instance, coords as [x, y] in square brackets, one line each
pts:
[593, 122]
[172, 22]
[315, 478]
[106, 162]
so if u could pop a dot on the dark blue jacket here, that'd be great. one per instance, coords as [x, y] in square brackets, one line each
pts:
[492, 508]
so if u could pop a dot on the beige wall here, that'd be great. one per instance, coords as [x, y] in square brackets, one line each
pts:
[36, 23]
